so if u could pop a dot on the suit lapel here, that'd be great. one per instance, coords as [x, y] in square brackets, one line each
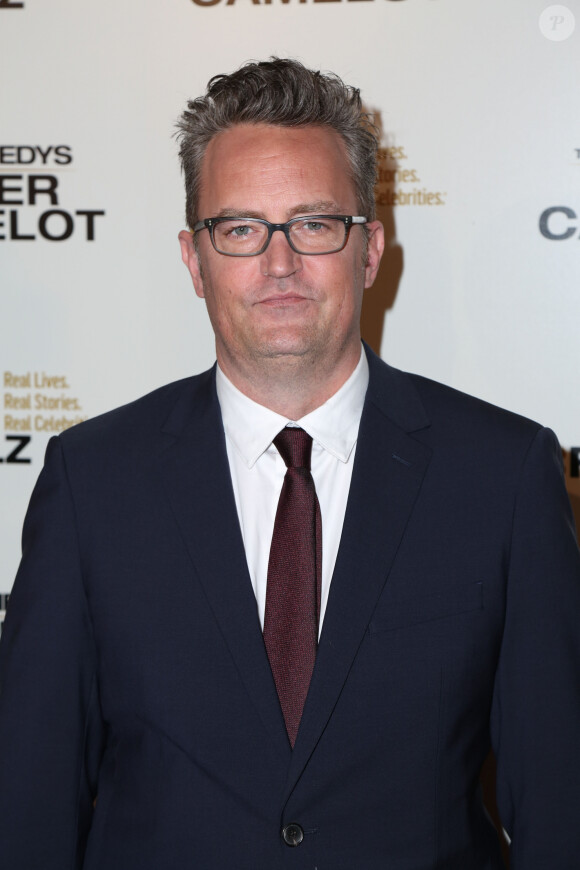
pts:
[387, 476]
[388, 472]
[198, 484]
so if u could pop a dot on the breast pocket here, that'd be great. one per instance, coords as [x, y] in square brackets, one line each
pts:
[446, 603]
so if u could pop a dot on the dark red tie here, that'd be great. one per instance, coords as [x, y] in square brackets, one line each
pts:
[294, 571]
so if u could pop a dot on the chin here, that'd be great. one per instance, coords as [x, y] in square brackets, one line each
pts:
[289, 345]
[294, 342]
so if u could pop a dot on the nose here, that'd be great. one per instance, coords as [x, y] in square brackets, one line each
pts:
[279, 260]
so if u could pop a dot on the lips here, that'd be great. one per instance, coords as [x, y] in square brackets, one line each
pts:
[283, 299]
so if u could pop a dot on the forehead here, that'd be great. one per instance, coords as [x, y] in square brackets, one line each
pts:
[265, 168]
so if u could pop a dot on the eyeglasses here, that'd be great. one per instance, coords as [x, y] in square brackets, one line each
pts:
[248, 237]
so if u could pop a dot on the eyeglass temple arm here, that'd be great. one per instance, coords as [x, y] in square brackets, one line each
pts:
[206, 224]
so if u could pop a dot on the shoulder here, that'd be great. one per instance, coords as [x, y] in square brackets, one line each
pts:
[469, 439]
[143, 424]
[456, 410]
[474, 446]
[417, 402]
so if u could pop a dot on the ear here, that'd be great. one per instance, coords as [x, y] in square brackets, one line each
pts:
[190, 258]
[375, 248]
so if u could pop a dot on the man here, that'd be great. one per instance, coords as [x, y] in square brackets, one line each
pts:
[183, 682]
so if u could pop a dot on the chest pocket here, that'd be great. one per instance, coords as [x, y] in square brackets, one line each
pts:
[414, 611]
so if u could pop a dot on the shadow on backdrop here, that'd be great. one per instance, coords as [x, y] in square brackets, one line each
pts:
[380, 298]
[571, 460]
[377, 301]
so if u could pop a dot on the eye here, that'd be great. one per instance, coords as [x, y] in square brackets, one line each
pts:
[314, 226]
[239, 232]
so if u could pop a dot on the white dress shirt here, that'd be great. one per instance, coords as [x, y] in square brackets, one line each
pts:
[258, 470]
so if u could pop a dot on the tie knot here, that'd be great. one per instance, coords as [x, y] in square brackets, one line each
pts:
[294, 446]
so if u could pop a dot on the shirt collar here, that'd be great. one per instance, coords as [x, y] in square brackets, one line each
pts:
[334, 425]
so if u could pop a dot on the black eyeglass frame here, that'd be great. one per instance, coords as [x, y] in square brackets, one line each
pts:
[348, 220]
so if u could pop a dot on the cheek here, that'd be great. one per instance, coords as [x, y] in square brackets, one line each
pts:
[231, 277]
[226, 298]
[341, 284]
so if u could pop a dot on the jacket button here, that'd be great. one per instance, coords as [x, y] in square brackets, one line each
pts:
[292, 834]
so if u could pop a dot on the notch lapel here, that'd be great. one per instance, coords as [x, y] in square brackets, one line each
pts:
[387, 476]
[198, 484]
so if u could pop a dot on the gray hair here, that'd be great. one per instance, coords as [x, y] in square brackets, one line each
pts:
[284, 93]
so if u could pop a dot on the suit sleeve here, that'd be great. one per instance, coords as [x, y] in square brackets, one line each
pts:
[50, 726]
[536, 708]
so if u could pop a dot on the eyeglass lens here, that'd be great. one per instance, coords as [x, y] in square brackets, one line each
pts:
[247, 236]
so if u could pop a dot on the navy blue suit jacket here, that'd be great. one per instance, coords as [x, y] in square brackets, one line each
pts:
[133, 668]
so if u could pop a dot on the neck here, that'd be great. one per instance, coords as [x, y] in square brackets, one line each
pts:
[292, 386]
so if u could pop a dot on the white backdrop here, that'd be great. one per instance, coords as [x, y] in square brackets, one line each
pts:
[479, 108]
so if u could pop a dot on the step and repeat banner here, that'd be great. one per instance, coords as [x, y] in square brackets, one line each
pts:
[479, 189]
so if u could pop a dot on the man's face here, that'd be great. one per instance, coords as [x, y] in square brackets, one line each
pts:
[280, 303]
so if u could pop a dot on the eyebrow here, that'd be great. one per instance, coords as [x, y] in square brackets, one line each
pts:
[320, 206]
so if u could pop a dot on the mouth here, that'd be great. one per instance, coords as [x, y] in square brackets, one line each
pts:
[283, 300]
